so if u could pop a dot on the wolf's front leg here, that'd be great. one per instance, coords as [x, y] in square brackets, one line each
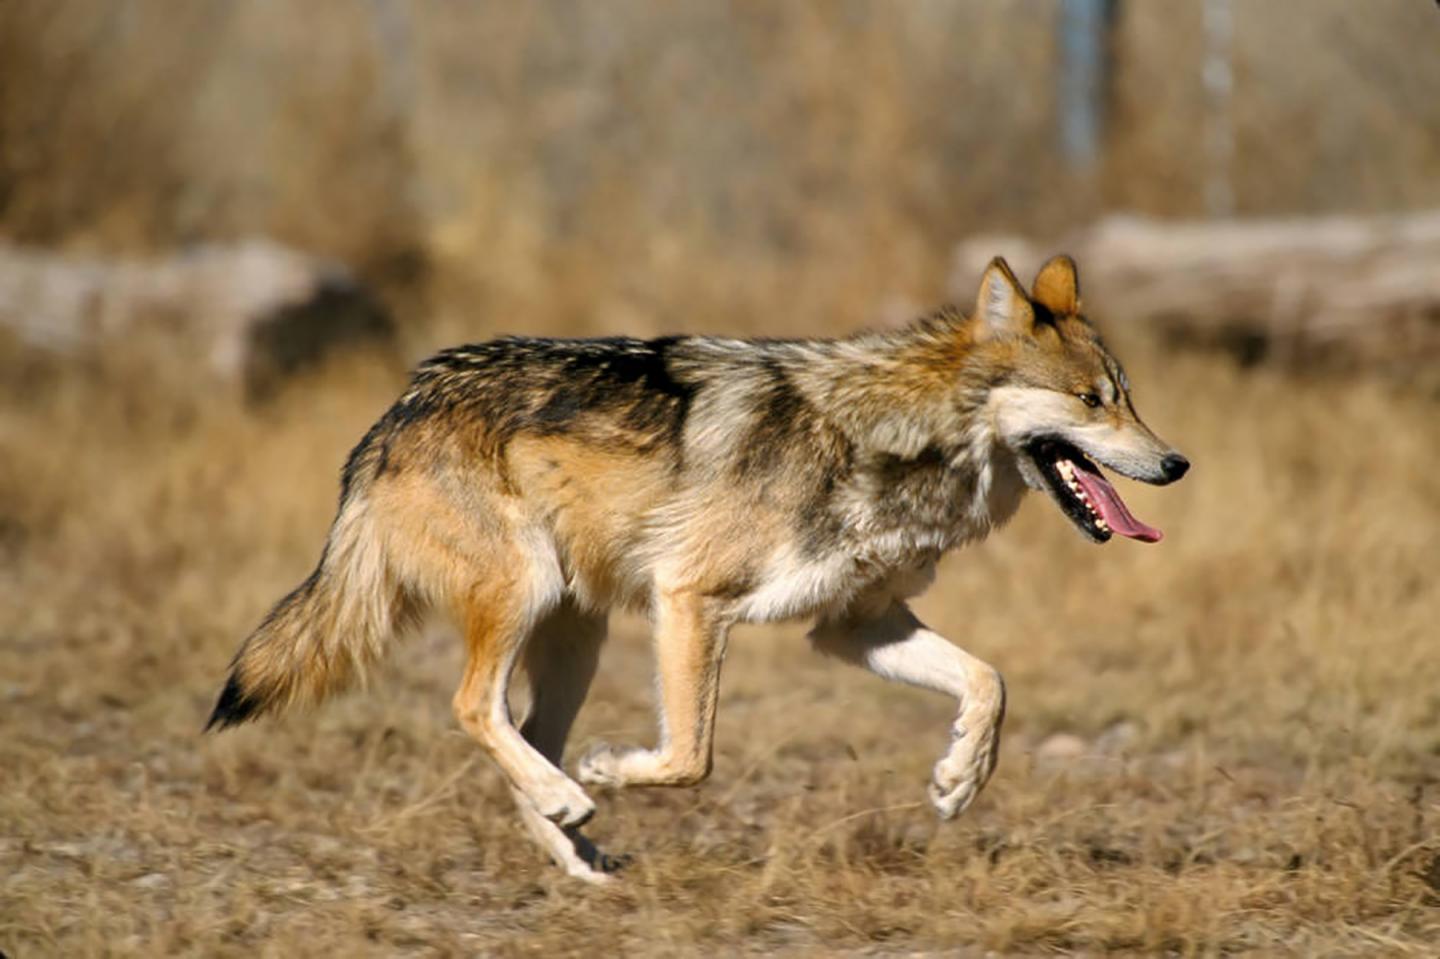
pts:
[892, 643]
[689, 647]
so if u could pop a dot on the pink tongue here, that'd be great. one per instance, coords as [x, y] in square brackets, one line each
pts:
[1111, 508]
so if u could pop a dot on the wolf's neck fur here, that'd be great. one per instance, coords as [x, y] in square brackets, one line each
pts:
[898, 394]
[929, 472]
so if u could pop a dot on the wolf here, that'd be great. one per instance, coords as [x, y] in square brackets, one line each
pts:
[527, 486]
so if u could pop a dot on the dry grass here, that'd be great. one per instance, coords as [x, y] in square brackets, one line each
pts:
[1227, 742]
[1255, 705]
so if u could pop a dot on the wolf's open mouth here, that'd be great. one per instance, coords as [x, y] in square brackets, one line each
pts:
[1085, 495]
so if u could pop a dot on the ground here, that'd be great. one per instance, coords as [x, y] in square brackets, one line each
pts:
[1229, 741]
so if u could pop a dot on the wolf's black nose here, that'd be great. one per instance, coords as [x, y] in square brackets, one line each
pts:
[1174, 466]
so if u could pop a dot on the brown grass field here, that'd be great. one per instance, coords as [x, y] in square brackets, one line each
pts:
[1228, 742]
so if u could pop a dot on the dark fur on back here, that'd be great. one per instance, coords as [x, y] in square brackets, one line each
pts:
[616, 391]
[619, 393]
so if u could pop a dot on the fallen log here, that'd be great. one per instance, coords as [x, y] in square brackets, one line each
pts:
[1340, 292]
[248, 314]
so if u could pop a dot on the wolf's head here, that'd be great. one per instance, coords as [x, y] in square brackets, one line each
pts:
[1060, 402]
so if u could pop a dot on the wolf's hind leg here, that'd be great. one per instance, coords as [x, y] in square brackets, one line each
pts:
[689, 647]
[894, 644]
[560, 659]
[496, 628]
[571, 850]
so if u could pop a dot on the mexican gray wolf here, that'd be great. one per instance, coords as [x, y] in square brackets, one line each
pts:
[527, 486]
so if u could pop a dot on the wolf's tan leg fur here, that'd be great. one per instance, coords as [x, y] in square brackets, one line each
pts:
[894, 644]
[495, 632]
[689, 647]
[560, 658]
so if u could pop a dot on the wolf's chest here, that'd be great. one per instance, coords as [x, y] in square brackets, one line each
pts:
[884, 537]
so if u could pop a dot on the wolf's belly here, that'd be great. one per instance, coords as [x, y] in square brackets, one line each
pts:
[791, 586]
[815, 585]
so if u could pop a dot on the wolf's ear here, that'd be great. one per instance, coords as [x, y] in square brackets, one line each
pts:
[1057, 286]
[1001, 306]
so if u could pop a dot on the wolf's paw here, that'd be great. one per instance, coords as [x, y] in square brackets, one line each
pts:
[600, 869]
[565, 804]
[951, 800]
[607, 865]
[962, 772]
[603, 765]
[594, 866]
[596, 877]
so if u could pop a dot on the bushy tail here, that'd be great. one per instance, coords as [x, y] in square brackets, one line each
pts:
[330, 628]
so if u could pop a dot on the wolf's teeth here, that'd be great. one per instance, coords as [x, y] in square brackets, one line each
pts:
[1066, 469]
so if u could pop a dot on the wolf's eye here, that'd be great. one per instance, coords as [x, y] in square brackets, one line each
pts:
[1091, 400]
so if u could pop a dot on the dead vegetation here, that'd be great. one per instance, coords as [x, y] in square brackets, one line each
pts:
[1225, 743]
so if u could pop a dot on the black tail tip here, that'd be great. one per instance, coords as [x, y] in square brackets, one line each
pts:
[234, 707]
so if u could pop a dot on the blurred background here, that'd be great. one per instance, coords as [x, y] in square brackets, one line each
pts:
[633, 167]
[227, 228]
